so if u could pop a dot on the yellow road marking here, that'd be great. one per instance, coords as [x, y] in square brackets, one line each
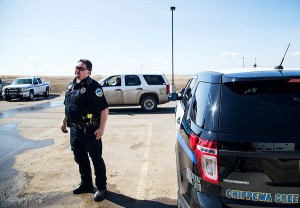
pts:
[145, 164]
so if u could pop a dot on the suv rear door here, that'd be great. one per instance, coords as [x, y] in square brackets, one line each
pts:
[259, 140]
[133, 89]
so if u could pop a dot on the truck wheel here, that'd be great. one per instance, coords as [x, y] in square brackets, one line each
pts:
[46, 93]
[149, 104]
[30, 95]
[8, 99]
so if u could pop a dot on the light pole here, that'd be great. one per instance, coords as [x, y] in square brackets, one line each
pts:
[172, 9]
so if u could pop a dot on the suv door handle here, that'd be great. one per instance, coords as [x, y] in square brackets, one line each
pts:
[118, 90]
[178, 120]
[139, 88]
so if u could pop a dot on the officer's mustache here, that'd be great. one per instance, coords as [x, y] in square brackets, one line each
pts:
[76, 73]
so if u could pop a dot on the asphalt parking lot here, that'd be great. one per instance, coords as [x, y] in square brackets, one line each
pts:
[38, 169]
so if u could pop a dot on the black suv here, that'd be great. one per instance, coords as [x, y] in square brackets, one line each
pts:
[238, 140]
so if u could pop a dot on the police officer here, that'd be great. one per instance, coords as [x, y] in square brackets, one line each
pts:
[86, 112]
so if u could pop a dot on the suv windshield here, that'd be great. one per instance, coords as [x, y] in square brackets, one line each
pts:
[264, 106]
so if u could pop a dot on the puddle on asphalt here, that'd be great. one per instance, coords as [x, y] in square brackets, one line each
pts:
[11, 181]
[33, 108]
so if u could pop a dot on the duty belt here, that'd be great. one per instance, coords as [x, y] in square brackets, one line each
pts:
[81, 125]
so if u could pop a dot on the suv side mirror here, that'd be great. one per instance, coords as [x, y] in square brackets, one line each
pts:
[180, 94]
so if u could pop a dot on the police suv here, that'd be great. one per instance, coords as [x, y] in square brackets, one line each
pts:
[146, 90]
[238, 139]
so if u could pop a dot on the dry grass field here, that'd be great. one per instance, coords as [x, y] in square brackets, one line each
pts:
[60, 83]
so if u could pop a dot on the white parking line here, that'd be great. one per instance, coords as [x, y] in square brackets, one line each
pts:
[144, 169]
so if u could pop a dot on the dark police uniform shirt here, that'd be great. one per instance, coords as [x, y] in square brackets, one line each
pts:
[79, 95]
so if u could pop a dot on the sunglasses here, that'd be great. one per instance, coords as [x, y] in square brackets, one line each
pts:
[80, 68]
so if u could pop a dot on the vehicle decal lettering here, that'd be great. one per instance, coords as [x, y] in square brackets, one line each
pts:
[187, 150]
[249, 195]
[193, 179]
[262, 197]
[286, 198]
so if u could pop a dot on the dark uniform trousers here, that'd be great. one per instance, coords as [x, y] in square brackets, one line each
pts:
[84, 144]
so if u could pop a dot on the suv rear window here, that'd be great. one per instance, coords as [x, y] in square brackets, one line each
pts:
[204, 110]
[132, 80]
[264, 106]
[154, 79]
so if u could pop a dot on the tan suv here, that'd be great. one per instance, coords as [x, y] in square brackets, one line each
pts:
[146, 90]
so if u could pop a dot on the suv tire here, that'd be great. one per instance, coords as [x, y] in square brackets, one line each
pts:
[149, 104]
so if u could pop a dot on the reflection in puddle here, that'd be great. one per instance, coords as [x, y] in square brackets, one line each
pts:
[33, 108]
[12, 144]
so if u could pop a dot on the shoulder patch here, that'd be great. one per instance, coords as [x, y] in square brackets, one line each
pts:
[99, 92]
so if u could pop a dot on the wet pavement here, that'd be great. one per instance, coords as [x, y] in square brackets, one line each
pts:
[28, 109]
[11, 181]
[12, 144]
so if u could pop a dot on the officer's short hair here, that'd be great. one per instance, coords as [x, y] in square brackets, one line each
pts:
[88, 64]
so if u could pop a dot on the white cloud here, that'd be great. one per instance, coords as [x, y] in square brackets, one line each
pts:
[296, 54]
[34, 58]
[112, 57]
[3, 58]
[230, 53]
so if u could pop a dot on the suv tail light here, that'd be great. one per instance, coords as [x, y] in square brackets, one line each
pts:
[168, 89]
[206, 153]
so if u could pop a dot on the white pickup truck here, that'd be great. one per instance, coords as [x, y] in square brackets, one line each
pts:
[2, 84]
[26, 88]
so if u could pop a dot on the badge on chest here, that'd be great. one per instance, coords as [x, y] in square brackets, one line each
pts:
[82, 90]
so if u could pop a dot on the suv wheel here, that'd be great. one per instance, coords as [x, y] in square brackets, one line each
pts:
[149, 104]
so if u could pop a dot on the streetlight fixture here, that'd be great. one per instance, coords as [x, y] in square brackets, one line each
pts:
[172, 95]
[172, 9]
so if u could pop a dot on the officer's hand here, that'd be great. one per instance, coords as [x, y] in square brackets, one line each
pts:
[64, 128]
[98, 133]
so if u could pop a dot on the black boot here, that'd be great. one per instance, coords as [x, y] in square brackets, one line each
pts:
[84, 188]
[100, 195]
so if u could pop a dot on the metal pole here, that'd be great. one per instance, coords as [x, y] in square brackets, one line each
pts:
[172, 9]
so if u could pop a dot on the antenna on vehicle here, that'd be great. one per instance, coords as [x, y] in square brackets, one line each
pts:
[255, 63]
[280, 67]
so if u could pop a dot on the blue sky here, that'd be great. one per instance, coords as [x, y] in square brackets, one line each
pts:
[47, 37]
